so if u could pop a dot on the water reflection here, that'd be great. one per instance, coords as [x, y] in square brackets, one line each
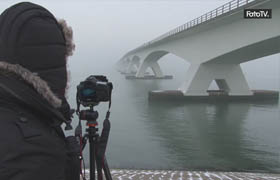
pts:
[209, 136]
[181, 135]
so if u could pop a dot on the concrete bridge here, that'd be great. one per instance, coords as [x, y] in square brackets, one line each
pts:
[214, 44]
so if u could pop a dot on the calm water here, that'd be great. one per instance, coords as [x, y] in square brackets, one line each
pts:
[221, 136]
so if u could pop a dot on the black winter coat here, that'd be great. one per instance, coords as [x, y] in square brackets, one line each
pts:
[32, 143]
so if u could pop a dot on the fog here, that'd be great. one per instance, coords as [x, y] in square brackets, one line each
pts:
[105, 30]
[222, 136]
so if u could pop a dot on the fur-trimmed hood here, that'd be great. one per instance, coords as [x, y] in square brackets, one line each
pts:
[68, 35]
[35, 46]
[32, 79]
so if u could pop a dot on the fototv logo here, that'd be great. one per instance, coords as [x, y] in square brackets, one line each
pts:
[258, 13]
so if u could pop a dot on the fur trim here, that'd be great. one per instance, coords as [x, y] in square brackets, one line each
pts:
[34, 80]
[70, 46]
[68, 34]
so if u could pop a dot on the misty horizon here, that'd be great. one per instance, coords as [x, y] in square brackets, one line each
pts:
[105, 30]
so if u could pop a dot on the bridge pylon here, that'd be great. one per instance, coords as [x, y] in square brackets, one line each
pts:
[229, 78]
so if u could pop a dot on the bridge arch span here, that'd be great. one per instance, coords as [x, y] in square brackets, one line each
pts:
[151, 60]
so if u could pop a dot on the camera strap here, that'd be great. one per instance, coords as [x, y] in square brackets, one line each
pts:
[110, 101]
[103, 141]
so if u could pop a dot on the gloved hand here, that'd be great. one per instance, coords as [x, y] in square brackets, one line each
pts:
[73, 146]
[72, 171]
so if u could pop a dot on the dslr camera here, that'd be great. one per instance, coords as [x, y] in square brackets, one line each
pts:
[93, 90]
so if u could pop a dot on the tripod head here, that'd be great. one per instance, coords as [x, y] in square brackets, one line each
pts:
[90, 116]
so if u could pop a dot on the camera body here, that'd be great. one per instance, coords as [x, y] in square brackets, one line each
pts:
[93, 90]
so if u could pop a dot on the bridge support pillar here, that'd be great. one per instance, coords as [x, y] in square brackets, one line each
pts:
[229, 78]
[153, 65]
[157, 70]
[131, 67]
[128, 68]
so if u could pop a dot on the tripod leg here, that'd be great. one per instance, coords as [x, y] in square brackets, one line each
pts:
[99, 166]
[92, 158]
[106, 170]
[99, 173]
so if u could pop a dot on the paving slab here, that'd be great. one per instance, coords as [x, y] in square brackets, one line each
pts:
[126, 174]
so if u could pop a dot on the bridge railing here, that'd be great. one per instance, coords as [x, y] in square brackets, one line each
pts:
[232, 5]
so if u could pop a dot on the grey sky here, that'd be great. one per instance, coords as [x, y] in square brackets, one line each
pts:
[104, 30]
[115, 21]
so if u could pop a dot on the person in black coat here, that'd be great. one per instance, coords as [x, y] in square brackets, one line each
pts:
[34, 47]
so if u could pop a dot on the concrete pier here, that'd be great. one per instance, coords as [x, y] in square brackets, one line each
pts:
[214, 96]
[133, 73]
[148, 77]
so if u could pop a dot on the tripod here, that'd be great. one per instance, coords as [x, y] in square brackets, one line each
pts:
[97, 144]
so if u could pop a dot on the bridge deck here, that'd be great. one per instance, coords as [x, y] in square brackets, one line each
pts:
[218, 12]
